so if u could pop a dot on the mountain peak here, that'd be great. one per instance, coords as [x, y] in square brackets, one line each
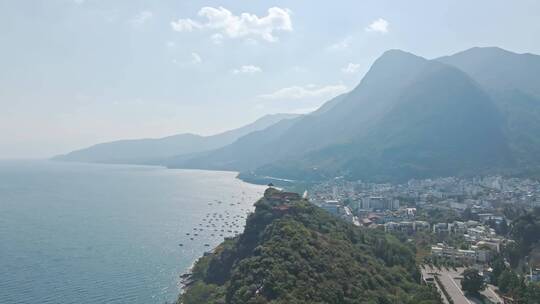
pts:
[499, 69]
[478, 51]
[398, 55]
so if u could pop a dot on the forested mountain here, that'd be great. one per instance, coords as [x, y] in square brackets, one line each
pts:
[294, 252]
[470, 113]
[155, 151]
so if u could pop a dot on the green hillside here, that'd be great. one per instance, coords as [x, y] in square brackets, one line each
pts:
[293, 252]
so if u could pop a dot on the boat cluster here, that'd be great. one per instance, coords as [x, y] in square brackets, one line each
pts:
[226, 223]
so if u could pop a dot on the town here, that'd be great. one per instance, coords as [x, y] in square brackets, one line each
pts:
[455, 224]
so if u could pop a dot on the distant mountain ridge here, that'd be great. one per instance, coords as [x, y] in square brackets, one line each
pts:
[471, 113]
[158, 150]
[474, 112]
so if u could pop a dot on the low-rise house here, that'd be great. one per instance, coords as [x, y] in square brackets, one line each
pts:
[421, 226]
[440, 228]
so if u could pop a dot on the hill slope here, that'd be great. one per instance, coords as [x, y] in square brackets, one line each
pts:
[499, 70]
[441, 124]
[408, 118]
[513, 82]
[152, 151]
[294, 252]
[338, 121]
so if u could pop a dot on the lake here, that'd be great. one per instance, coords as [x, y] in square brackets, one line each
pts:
[89, 233]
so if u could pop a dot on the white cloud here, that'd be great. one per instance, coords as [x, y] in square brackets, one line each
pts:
[341, 45]
[195, 58]
[380, 25]
[225, 23]
[351, 68]
[217, 38]
[141, 18]
[247, 69]
[307, 91]
[185, 25]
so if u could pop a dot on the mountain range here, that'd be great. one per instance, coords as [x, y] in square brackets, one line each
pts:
[159, 150]
[471, 113]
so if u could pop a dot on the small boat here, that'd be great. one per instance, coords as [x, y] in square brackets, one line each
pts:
[207, 245]
[180, 244]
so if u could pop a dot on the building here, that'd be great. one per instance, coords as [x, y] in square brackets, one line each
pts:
[475, 254]
[440, 228]
[406, 226]
[421, 226]
[275, 195]
[458, 227]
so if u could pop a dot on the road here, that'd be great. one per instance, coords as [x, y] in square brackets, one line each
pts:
[489, 293]
[450, 280]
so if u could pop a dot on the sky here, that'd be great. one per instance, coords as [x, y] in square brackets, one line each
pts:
[78, 72]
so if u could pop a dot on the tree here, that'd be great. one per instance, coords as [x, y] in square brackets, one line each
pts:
[509, 281]
[503, 228]
[498, 268]
[472, 281]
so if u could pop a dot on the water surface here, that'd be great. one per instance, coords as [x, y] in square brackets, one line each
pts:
[85, 233]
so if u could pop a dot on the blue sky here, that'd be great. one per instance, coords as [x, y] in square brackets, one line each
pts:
[78, 72]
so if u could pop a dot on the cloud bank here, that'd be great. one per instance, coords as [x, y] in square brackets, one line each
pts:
[225, 24]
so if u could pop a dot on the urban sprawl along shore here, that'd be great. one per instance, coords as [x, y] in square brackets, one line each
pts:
[455, 222]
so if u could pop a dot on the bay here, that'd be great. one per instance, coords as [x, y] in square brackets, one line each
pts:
[90, 233]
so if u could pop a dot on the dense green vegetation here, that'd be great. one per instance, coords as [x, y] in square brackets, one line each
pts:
[525, 230]
[513, 285]
[472, 281]
[521, 254]
[298, 253]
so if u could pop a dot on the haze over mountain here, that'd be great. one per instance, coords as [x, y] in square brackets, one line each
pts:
[513, 83]
[474, 112]
[154, 151]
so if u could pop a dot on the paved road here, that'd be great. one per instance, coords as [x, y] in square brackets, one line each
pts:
[451, 280]
[427, 273]
[453, 287]
[489, 293]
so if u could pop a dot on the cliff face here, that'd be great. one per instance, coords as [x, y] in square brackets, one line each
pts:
[294, 252]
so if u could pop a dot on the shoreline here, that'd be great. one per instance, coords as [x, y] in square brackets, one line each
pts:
[249, 178]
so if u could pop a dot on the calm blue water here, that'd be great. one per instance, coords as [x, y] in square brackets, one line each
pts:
[81, 233]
